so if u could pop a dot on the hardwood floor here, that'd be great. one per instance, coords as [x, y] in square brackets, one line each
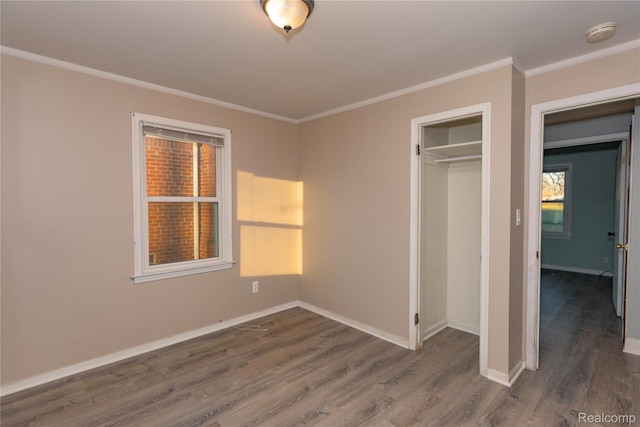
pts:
[302, 369]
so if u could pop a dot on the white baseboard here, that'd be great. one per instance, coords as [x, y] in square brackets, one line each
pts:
[434, 329]
[165, 342]
[498, 377]
[471, 329]
[136, 351]
[394, 339]
[515, 372]
[577, 270]
[632, 346]
[506, 379]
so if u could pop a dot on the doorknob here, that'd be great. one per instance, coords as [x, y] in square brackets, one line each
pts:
[623, 246]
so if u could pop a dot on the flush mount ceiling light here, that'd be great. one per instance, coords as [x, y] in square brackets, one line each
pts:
[601, 32]
[287, 14]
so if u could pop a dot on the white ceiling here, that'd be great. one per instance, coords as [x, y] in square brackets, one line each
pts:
[346, 53]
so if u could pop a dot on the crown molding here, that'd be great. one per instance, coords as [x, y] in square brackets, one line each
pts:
[634, 44]
[437, 82]
[134, 82]
[432, 83]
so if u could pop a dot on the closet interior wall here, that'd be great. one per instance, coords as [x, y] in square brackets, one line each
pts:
[451, 226]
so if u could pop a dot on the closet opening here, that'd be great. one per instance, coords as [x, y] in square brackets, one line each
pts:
[451, 219]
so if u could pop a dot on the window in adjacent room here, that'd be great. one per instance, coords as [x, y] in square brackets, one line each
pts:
[182, 198]
[556, 201]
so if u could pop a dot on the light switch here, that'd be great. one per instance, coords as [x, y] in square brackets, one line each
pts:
[518, 219]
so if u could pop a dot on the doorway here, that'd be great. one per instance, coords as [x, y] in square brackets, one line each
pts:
[538, 113]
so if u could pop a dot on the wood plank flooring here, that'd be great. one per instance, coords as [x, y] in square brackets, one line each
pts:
[301, 369]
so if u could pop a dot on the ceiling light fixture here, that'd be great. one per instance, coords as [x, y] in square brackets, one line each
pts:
[287, 14]
[601, 32]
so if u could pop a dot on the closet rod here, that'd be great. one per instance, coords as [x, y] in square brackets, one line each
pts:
[459, 158]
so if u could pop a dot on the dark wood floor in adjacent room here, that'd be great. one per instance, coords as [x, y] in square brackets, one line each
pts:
[306, 370]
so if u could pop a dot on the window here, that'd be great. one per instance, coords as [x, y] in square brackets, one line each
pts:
[182, 198]
[556, 201]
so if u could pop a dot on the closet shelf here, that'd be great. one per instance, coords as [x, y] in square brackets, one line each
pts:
[451, 151]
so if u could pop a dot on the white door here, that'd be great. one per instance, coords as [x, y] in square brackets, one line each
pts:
[631, 293]
[620, 236]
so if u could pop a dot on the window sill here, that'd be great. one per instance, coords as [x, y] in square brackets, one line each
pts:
[153, 276]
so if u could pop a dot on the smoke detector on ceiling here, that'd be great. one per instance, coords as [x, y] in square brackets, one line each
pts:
[601, 32]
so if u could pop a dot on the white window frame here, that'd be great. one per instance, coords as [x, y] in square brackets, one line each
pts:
[567, 168]
[143, 271]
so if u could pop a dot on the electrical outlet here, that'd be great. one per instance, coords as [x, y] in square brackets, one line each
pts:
[256, 287]
[605, 259]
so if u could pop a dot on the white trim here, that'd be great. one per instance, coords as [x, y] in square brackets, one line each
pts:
[378, 333]
[515, 372]
[470, 329]
[98, 362]
[631, 346]
[485, 238]
[443, 324]
[536, 146]
[170, 274]
[165, 342]
[434, 329]
[534, 240]
[137, 350]
[437, 82]
[577, 270]
[498, 377]
[414, 222]
[139, 83]
[134, 82]
[463, 74]
[506, 379]
[587, 140]
[415, 196]
[583, 58]
[195, 169]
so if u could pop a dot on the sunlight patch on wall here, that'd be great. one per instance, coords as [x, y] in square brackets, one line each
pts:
[270, 216]
[269, 200]
[270, 251]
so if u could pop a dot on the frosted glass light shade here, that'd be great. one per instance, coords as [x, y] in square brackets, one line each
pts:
[287, 14]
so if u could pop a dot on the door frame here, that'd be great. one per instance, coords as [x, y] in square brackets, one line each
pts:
[415, 330]
[536, 147]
